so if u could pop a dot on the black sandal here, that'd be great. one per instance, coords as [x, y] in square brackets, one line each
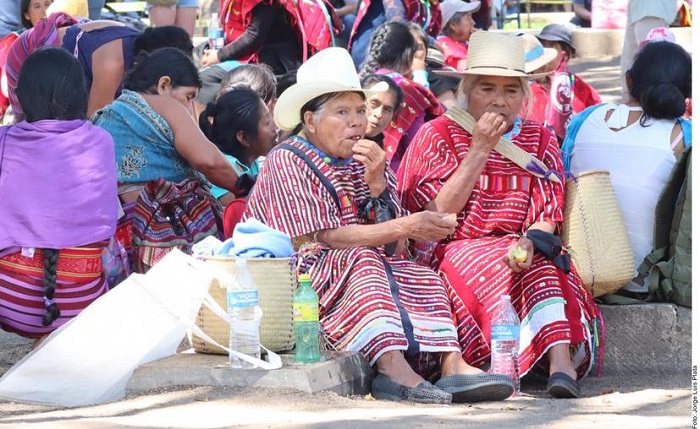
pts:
[561, 385]
[426, 393]
[477, 387]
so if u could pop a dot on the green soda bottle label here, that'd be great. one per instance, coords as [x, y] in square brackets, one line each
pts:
[305, 312]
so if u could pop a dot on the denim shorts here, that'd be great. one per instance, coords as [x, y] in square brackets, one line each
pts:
[180, 3]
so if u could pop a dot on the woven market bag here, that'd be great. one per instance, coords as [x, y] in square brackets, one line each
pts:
[595, 233]
[276, 285]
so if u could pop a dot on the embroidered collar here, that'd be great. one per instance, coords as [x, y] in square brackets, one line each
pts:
[301, 138]
[517, 124]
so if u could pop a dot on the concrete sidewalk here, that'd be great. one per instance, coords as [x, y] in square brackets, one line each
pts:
[640, 339]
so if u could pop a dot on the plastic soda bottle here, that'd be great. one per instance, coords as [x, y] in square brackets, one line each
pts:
[505, 342]
[306, 325]
[244, 315]
[215, 33]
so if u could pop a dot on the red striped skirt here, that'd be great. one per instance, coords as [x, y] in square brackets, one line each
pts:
[79, 282]
[554, 308]
[372, 304]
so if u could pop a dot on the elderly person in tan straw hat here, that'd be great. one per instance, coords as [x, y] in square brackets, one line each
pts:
[330, 186]
[507, 212]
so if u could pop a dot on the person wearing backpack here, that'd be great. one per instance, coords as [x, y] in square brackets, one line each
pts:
[669, 266]
[638, 141]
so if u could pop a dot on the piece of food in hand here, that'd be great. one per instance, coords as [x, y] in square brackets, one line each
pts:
[518, 254]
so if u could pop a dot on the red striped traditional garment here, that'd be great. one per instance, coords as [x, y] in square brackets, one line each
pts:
[141, 258]
[554, 308]
[358, 309]
[80, 281]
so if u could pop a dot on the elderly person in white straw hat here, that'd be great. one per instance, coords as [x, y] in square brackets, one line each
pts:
[330, 186]
[509, 199]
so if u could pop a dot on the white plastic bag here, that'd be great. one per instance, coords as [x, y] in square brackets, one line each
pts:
[90, 359]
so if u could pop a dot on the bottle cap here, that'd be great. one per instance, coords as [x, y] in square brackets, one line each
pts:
[304, 278]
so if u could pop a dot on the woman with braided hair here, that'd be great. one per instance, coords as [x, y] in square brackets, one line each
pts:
[59, 199]
[371, 14]
[240, 125]
[391, 53]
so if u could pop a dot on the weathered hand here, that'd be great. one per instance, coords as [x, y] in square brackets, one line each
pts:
[488, 130]
[525, 244]
[430, 226]
[209, 57]
[373, 158]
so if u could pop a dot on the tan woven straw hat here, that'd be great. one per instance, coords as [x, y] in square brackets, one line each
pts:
[493, 54]
[330, 70]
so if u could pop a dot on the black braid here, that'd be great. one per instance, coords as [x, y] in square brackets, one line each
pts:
[392, 47]
[50, 264]
[371, 63]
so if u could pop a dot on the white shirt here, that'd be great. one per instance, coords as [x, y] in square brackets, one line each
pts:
[640, 160]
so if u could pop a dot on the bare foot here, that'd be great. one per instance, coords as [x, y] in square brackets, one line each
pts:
[453, 363]
[560, 361]
[393, 365]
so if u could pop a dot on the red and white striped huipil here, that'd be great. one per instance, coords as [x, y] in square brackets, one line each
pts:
[361, 309]
[554, 308]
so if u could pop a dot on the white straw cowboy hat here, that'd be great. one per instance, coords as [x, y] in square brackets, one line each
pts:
[536, 55]
[330, 70]
[493, 54]
[450, 8]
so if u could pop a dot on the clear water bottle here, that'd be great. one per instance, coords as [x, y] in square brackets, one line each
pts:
[505, 342]
[306, 324]
[215, 33]
[244, 316]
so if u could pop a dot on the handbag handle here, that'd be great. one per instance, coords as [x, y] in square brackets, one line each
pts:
[506, 148]
[274, 361]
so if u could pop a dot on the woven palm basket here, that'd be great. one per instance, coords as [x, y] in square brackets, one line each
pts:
[276, 284]
[595, 233]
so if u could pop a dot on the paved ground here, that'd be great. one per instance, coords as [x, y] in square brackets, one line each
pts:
[632, 402]
[602, 73]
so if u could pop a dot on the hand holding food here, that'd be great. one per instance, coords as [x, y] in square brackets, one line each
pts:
[517, 254]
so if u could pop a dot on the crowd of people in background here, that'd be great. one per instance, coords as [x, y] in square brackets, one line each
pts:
[376, 157]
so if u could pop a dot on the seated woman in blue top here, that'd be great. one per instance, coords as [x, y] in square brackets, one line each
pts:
[240, 125]
[162, 157]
